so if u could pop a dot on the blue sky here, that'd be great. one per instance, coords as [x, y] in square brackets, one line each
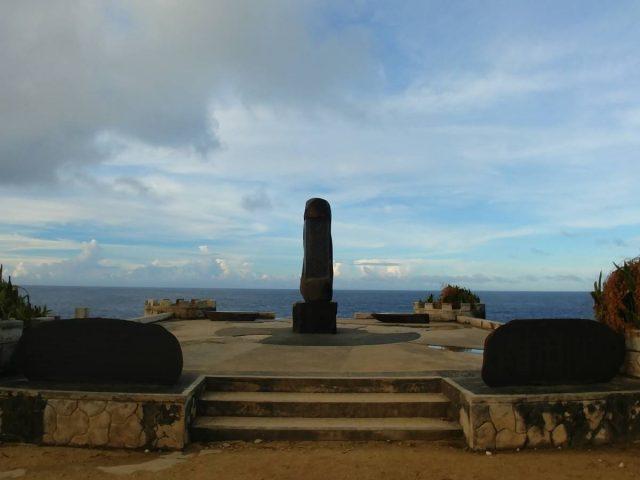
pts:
[491, 144]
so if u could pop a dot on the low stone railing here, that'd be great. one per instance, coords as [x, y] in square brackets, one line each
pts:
[99, 419]
[499, 421]
[447, 312]
[181, 309]
[478, 322]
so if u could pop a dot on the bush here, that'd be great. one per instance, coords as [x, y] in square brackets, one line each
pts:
[14, 304]
[616, 302]
[456, 294]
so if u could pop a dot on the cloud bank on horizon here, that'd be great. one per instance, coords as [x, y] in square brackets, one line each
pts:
[491, 144]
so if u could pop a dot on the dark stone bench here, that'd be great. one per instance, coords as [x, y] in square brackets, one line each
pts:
[401, 317]
[239, 316]
[99, 350]
[552, 352]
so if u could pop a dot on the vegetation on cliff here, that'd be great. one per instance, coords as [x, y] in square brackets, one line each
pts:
[15, 302]
[454, 294]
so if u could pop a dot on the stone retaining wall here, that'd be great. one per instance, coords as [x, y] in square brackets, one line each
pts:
[98, 419]
[181, 309]
[632, 357]
[503, 422]
[478, 322]
[447, 312]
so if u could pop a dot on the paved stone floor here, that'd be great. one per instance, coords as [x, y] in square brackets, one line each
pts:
[361, 347]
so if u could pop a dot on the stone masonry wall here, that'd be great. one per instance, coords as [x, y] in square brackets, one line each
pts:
[448, 312]
[478, 322]
[534, 424]
[118, 420]
[181, 309]
[101, 423]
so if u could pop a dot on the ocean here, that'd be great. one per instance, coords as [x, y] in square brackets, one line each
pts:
[128, 302]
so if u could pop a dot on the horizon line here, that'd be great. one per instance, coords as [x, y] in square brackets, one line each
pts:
[295, 289]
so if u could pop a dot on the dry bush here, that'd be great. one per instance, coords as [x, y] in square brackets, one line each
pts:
[455, 294]
[617, 301]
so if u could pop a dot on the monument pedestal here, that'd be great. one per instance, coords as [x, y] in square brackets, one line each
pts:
[314, 317]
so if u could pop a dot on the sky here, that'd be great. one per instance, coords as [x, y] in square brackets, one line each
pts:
[174, 143]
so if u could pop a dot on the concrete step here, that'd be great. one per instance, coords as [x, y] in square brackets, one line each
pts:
[343, 429]
[323, 385]
[318, 405]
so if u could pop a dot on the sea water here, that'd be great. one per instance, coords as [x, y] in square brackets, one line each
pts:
[128, 302]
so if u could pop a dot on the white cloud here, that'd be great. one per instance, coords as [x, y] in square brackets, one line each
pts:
[460, 93]
[92, 265]
[226, 271]
[428, 176]
[382, 269]
[337, 269]
[74, 71]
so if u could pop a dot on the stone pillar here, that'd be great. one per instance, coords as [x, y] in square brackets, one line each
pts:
[317, 314]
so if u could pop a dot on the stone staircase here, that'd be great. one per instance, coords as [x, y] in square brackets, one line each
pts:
[297, 408]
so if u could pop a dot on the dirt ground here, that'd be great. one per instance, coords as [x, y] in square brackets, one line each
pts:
[330, 460]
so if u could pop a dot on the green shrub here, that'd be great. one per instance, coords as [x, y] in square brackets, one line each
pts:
[15, 302]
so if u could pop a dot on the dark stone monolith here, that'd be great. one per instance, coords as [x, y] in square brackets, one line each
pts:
[551, 352]
[317, 314]
[98, 351]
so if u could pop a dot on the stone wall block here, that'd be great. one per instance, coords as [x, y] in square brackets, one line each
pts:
[121, 411]
[632, 364]
[79, 440]
[550, 420]
[633, 419]
[521, 424]
[170, 436]
[485, 437]
[127, 434]
[69, 427]
[49, 420]
[63, 407]
[560, 436]
[594, 413]
[538, 437]
[502, 416]
[604, 435]
[92, 407]
[463, 419]
[508, 439]
[99, 429]
[479, 414]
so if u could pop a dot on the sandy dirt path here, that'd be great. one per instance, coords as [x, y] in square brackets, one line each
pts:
[322, 461]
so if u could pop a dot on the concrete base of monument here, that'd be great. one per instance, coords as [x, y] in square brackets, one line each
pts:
[315, 317]
[375, 380]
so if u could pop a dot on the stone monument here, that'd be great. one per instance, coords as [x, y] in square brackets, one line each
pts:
[317, 314]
